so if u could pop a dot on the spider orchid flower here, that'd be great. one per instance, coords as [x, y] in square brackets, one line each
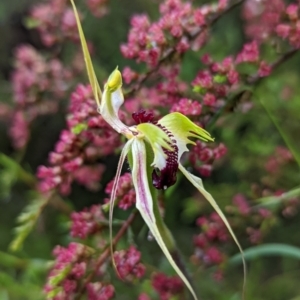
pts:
[153, 150]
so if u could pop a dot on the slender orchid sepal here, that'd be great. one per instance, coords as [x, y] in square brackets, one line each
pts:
[148, 209]
[122, 158]
[197, 183]
[87, 58]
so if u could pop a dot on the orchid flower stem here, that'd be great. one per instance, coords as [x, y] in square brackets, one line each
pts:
[105, 256]
[284, 136]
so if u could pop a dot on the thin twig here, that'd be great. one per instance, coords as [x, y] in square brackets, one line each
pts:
[169, 53]
[246, 94]
[282, 59]
[106, 253]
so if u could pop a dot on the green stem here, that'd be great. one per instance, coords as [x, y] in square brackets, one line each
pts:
[289, 144]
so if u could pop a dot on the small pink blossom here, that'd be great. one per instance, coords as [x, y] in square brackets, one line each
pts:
[264, 69]
[187, 107]
[128, 263]
[250, 53]
[209, 99]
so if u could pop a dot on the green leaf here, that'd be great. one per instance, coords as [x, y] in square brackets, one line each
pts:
[220, 78]
[18, 289]
[288, 141]
[11, 173]
[78, 128]
[267, 250]
[274, 201]
[31, 23]
[27, 220]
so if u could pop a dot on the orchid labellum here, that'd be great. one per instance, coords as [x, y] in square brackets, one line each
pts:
[153, 150]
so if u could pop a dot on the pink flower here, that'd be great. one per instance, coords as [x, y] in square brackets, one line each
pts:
[187, 107]
[87, 222]
[128, 263]
[213, 256]
[209, 99]
[99, 291]
[250, 53]
[264, 69]
[243, 206]
[128, 75]
[166, 286]
[283, 30]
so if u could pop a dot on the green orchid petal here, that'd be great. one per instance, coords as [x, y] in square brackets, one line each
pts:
[146, 206]
[197, 183]
[123, 155]
[158, 139]
[183, 129]
[111, 101]
[87, 59]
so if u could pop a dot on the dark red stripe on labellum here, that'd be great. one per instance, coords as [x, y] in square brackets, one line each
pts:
[161, 179]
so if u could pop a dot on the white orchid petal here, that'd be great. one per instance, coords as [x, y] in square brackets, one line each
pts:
[144, 203]
[197, 183]
[158, 140]
[114, 191]
[160, 157]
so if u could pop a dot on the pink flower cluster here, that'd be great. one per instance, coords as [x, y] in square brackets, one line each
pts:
[202, 156]
[215, 82]
[207, 243]
[87, 222]
[167, 91]
[125, 196]
[276, 161]
[68, 270]
[187, 107]
[99, 291]
[167, 287]
[262, 17]
[39, 84]
[265, 19]
[257, 221]
[55, 22]
[128, 264]
[87, 138]
[179, 28]
[289, 29]
[97, 7]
